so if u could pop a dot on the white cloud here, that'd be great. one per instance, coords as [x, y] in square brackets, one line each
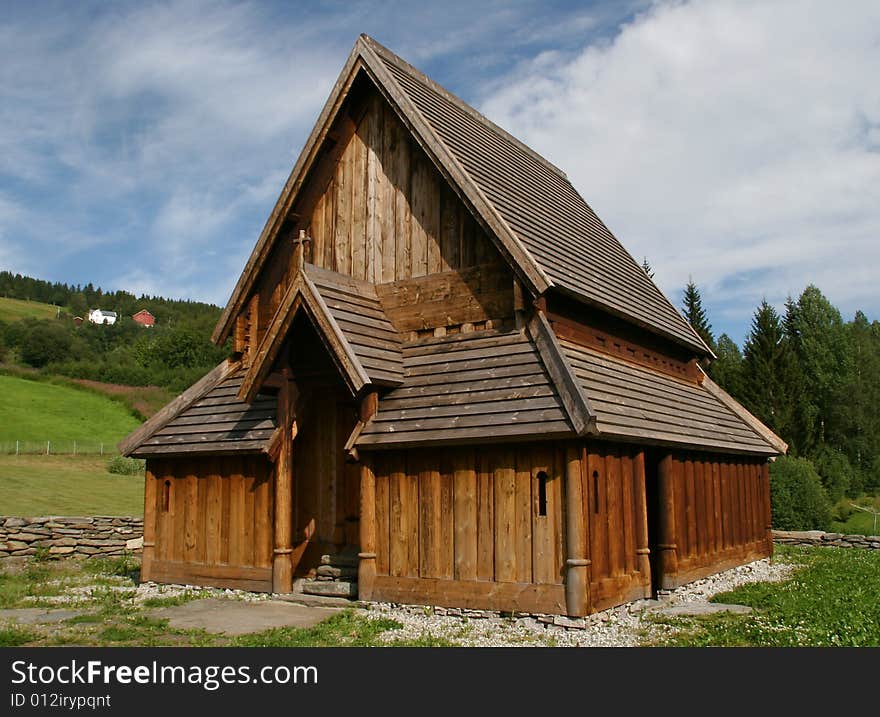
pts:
[723, 139]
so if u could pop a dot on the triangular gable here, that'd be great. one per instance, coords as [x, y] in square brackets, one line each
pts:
[364, 57]
[303, 295]
[539, 222]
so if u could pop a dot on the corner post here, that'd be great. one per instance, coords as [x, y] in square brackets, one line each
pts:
[768, 510]
[643, 551]
[667, 550]
[282, 568]
[367, 523]
[577, 563]
[149, 550]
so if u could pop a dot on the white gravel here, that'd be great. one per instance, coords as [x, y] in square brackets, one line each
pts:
[621, 626]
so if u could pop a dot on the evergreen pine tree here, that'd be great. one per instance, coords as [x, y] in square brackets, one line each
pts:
[647, 267]
[764, 357]
[696, 315]
[727, 369]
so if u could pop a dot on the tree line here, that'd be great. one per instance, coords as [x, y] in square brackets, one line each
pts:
[814, 379]
[174, 353]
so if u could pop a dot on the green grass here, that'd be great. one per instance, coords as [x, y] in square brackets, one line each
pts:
[832, 600]
[858, 522]
[39, 411]
[16, 636]
[66, 485]
[17, 309]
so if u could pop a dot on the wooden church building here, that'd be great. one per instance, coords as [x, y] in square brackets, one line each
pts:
[446, 368]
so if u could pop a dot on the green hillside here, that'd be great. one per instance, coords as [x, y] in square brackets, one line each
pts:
[37, 411]
[17, 309]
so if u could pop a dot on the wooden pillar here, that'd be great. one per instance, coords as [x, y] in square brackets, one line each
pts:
[149, 551]
[667, 550]
[367, 524]
[643, 551]
[577, 563]
[367, 554]
[282, 568]
[768, 511]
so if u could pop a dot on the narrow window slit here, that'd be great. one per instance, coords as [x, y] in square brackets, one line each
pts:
[542, 493]
[596, 491]
[166, 496]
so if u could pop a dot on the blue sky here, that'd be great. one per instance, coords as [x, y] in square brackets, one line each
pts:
[143, 145]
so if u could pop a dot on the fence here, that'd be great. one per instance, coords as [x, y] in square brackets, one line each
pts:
[60, 448]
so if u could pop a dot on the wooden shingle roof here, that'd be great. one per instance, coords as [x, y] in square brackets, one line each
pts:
[548, 233]
[355, 306]
[535, 199]
[208, 419]
[636, 403]
[469, 387]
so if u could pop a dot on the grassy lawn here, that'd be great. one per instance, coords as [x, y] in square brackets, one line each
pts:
[17, 309]
[39, 411]
[114, 614]
[832, 600]
[66, 485]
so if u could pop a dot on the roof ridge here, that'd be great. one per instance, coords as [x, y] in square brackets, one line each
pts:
[457, 101]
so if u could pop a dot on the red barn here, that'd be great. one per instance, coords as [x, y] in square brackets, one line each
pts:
[144, 318]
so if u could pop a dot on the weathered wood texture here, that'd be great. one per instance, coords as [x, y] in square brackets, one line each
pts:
[212, 521]
[216, 422]
[615, 504]
[386, 213]
[464, 527]
[476, 387]
[486, 527]
[357, 311]
[536, 200]
[721, 510]
[325, 486]
[643, 405]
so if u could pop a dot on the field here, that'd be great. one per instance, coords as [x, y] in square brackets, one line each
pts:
[17, 309]
[40, 411]
[66, 485]
[831, 601]
[859, 522]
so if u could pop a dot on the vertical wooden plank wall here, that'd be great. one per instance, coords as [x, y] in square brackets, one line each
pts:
[463, 527]
[475, 528]
[387, 213]
[616, 506]
[721, 507]
[211, 521]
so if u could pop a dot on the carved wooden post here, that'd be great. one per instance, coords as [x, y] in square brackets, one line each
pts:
[667, 555]
[149, 526]
[367, 524]
[643, 552]
[768, 511]
[577, 564]
[282, 569]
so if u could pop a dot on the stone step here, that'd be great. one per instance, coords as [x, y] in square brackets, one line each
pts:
[333, 572]
[340, 560]
[330, 588]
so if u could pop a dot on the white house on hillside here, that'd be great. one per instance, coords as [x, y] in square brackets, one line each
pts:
[98, 316]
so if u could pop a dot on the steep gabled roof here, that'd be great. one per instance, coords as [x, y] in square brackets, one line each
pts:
[207, 418]
[352, 326]
[539, 222]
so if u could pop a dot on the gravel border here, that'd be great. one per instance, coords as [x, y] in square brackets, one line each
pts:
[622, 626]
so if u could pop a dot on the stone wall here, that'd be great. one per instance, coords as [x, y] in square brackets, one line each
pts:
[818, 537]
[99, 535]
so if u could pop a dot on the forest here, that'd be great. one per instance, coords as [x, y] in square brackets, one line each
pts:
[173, 354]
[814, 378]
